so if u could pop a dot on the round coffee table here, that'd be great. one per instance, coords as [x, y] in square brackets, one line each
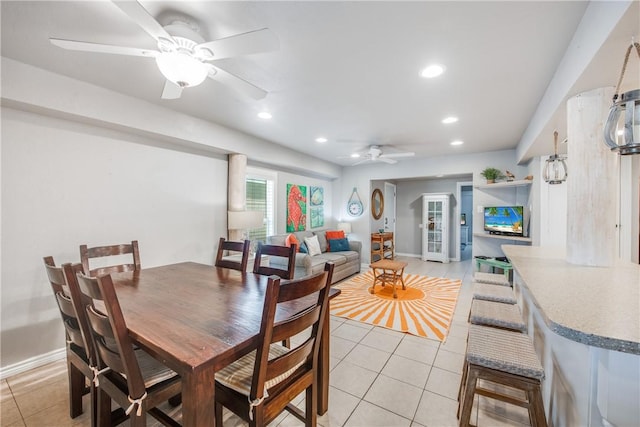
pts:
[392, 271]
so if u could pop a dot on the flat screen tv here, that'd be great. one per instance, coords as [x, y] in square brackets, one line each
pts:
[505, 220]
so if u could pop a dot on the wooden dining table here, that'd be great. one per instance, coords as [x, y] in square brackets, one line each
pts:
[196, 319]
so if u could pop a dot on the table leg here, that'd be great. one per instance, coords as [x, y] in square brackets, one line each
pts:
[323, 367]
[402, 279]
[198, 398]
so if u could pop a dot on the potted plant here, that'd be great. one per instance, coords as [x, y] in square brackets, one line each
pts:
[491, 174]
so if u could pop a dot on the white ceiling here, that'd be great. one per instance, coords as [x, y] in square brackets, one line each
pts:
[345, 70]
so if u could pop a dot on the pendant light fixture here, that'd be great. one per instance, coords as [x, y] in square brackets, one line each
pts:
[555, 169]
[622, 129]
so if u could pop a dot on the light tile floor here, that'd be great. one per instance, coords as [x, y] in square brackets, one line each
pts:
[379, 377]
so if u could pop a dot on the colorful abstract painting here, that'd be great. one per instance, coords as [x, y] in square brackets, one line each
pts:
[296, 207]
[316, 200]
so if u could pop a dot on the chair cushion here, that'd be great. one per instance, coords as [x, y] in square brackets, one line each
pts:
[491, 278]
[493, 293]
[505, 351]
[338, 245]
[153, 372]
[496, 314]
[238, 375]
[313, 246]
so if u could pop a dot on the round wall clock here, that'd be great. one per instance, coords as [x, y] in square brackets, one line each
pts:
[354, 205]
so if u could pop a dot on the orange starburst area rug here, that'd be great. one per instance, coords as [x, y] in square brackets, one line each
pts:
[425, 308]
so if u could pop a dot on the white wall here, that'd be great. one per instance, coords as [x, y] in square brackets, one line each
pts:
[82, 164]
[65, 184]
[285, 178]
[455, 164]
[410, 215]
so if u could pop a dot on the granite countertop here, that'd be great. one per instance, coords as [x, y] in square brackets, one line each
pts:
[597, 306]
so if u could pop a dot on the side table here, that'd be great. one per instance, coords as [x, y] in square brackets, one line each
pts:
[392, 271]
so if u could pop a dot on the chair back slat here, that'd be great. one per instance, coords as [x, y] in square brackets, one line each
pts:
[226, 247]
[287, 252]
[102, 252]
[109, 326]
[297, 356]
[315, 289]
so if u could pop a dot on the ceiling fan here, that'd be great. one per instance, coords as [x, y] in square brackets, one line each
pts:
[375, 154]
[183, 56]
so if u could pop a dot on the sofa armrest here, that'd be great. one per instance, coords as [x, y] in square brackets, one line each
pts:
[355, 246]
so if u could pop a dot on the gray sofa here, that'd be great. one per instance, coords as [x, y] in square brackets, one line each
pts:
[346, 263]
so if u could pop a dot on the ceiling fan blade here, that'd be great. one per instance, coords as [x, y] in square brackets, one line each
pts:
[359, 162]
[102, 48]
[237, 83]
[257, 41]
[392, 155]
[147, 22]
[387, 160]
[171, 90]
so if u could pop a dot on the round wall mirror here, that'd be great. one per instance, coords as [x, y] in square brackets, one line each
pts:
[377, 204]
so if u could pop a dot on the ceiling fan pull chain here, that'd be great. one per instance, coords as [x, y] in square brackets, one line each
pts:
[624, 67]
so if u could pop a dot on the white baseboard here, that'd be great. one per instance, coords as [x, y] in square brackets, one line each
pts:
[32, 362]
[409, 255]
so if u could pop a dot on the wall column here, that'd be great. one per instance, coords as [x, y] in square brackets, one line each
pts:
[237, 188]
[592, 185]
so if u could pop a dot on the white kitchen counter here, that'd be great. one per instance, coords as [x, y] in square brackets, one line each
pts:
[597, 306]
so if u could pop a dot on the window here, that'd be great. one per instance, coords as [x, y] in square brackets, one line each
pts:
[260, 196]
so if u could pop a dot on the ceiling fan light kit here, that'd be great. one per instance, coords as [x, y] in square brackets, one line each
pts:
[182, 53]
[182, 69]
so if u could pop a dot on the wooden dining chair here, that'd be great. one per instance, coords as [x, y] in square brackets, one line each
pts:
[115, 251]
[261, 384]
[231, 246]
[79, 356]
[288, 252]
[127, 375]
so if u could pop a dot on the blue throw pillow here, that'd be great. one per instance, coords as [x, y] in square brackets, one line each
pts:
[338, 245]
[303, 248]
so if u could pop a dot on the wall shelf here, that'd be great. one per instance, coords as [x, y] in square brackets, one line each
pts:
[504, 184]
[499, 236]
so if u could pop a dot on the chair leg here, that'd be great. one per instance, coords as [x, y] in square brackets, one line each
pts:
[219, 409]
[536, 407]
[311, 406]
[76, 389]
[104, 408]
[468, 396]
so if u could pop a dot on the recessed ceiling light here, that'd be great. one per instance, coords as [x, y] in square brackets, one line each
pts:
[321, 139]
[355, 155]
[265, 115]
[439, 176]
[432, 71]
[457, 142]
[449, 120]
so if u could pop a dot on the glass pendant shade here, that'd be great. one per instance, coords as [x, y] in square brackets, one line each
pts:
[181, 68]
[622, 129]
[555, 168]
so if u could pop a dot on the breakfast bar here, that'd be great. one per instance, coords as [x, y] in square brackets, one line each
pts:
[585, 324]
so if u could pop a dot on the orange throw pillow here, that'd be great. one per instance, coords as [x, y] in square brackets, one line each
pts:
[337, 234]
[290, 240]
